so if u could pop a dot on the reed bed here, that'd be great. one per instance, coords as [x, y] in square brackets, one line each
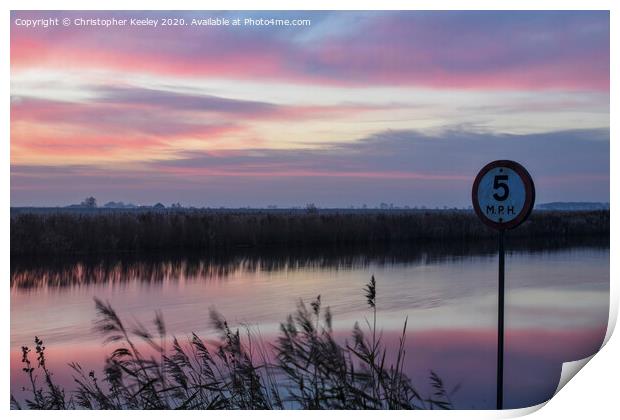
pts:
[70, 233]
[305, 368]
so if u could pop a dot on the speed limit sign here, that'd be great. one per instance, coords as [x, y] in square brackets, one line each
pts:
[503, 197]
[503, 194]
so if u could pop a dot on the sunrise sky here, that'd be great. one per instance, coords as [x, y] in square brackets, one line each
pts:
[356, 108]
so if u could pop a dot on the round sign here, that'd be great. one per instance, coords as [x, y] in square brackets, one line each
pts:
[503, 194]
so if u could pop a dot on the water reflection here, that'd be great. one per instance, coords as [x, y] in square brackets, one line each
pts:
[154, 269]
[557, 304]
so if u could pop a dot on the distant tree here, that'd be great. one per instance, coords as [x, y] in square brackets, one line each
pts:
[159, 206]
[176, 205]
[118, 205]
[311, 208]
[90, 202]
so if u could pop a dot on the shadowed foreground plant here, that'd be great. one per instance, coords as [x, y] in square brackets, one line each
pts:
[305, 368]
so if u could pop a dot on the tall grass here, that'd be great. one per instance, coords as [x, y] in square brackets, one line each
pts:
[122, 231]
[306, 367]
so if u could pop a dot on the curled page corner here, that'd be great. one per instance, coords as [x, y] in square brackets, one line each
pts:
[570, 369]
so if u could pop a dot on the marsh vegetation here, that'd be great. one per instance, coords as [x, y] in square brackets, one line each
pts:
[62, 233]
[306, 367]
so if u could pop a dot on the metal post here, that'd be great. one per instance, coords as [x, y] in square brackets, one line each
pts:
[500, 326]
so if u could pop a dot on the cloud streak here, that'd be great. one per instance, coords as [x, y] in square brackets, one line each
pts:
[399, 166]
[485, 50]
[116, 118]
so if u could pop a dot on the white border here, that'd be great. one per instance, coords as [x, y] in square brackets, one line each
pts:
[592, 395]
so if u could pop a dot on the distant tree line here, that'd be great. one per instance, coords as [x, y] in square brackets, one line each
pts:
[91, 203]
[124, 231]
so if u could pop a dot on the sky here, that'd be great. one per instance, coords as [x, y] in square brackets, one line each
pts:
[352, 109]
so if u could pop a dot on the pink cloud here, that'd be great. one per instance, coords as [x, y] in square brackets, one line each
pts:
[524, 50]
[134, 119]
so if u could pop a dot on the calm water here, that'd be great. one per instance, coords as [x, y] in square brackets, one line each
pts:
[557, 307]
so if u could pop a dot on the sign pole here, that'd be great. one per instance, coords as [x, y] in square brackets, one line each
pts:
[500, 326]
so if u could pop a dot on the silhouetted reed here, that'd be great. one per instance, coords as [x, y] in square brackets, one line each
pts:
[306, 367]
[62, 233]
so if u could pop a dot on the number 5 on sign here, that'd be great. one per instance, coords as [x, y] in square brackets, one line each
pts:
[503, 194]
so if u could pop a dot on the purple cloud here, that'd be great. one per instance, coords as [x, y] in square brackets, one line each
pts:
[403, 167]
